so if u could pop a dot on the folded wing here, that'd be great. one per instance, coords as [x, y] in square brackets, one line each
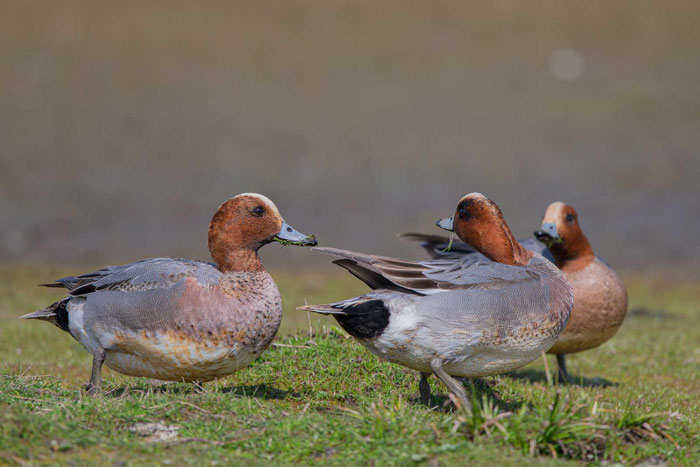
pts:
[141, 275]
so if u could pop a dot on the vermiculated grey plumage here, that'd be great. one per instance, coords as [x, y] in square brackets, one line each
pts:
[479, 317]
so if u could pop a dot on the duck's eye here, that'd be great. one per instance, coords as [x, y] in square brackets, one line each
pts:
[464, 210]
[464, 213]
[258, 211]
[570, 218]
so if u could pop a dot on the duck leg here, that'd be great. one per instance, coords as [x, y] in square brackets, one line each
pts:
[93, 387]
[454, 386]
[424, 388]
[561, 363]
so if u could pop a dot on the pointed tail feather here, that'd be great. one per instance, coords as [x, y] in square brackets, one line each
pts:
[323, 309]
[47, 314]
[55, 313]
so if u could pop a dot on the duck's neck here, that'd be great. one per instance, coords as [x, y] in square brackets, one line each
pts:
[573, 255]
[239, 261]
[504, 248]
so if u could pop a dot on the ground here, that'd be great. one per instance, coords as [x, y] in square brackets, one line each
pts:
[318, 397]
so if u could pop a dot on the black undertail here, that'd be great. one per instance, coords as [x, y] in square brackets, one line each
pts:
[365, 320]
[62, 315]
[55, 313]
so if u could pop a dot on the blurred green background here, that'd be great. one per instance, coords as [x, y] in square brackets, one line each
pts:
[125, 124]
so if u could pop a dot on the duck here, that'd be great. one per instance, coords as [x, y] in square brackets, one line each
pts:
[455, 318]
[600, 297]
[180, 319]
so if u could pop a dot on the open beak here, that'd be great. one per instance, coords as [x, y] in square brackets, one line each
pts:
[288, 236]
[446, 223]
[548, 234]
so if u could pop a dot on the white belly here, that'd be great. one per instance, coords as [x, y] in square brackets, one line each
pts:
[463, 355]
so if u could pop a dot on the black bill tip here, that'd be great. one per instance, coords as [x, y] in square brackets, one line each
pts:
[542, 236]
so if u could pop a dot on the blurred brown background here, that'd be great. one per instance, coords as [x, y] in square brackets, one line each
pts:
[123, 125]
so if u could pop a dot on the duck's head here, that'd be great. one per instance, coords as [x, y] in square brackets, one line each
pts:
[479, 222]
[562, 234]
[242, 225]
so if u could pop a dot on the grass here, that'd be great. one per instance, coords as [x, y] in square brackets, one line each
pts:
[318, 397]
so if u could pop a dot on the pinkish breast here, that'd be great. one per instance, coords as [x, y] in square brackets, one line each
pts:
[600, 306]
[214, 331]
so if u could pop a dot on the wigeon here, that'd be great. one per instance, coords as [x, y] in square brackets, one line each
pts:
[180, 319]
[600, 297]
[452, 318]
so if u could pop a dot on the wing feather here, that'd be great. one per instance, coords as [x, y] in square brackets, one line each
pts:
[140, 275]
[437, 247]
[427, 277]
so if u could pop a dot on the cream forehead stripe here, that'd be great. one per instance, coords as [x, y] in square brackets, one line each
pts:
[262, 198]
[554, 211]
[474, 195]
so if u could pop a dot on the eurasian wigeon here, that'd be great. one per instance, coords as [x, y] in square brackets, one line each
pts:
[450, 318]
[600, 297]
[179, 319]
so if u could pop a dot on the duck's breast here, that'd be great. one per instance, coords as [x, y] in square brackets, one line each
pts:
[600, 306]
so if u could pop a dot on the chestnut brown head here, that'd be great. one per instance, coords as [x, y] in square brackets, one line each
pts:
[242, 225]
[479, 222]
[562, 234]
